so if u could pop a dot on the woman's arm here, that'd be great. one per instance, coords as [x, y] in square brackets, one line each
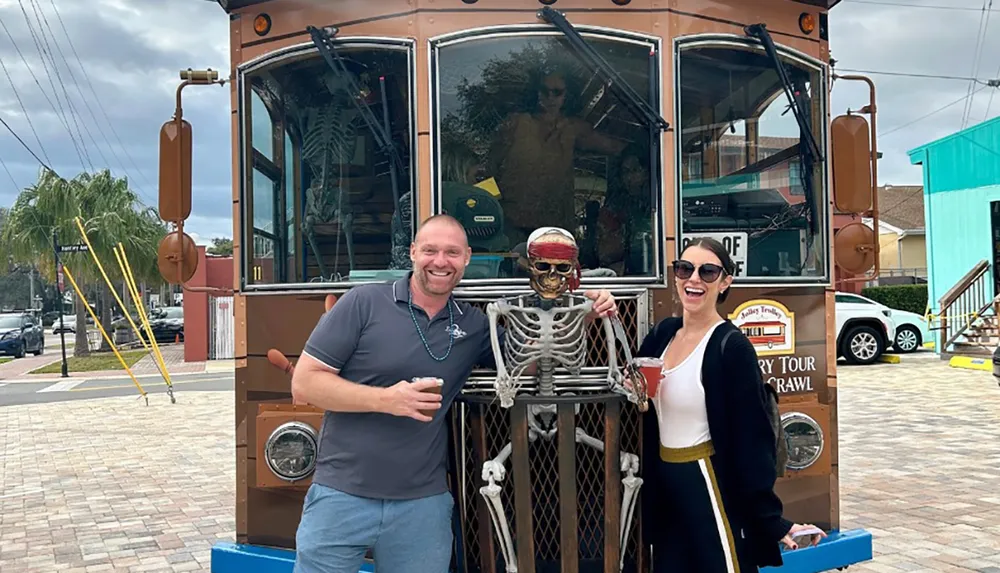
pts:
[753, 440]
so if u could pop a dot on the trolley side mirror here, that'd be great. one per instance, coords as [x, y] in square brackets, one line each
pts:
[175, 171]
[853, 188]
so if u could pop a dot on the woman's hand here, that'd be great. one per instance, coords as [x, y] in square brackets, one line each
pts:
[802, 532]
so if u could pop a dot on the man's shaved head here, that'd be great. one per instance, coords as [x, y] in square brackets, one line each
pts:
[440, 219]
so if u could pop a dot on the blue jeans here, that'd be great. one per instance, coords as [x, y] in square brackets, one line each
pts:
[408, 536]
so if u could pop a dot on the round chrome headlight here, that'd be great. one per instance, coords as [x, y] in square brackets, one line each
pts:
[290, 451]
[804, 437]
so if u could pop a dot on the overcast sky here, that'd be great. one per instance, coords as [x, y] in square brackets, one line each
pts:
[125, 55]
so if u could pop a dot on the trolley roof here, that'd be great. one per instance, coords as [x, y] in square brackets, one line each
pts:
[230, 5]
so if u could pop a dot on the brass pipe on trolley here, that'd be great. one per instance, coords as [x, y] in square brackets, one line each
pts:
[191, 77]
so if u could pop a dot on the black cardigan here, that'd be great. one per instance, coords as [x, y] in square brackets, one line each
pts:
[741, 434]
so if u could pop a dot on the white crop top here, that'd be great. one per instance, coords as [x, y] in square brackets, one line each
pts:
[680, 400]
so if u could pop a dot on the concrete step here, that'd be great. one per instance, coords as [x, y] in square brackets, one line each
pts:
[967, 348]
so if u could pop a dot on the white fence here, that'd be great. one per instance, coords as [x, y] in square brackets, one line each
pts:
[221, 331]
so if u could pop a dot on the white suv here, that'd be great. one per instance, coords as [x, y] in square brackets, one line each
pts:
[864, 330]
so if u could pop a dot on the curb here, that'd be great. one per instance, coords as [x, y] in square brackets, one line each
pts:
[889, 359]
[984, 364]
[104, 377]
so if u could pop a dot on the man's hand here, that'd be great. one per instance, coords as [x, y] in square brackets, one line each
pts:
[604, 304]
[809, 533]
[407, 398]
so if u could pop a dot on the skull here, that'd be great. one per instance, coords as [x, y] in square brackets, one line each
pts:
[552, 256]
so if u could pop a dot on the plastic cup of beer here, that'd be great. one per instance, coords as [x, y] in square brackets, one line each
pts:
[436, 389]
[652, 370]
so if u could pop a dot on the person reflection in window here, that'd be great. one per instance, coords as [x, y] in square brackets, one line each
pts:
[532, 161]
[625, 215]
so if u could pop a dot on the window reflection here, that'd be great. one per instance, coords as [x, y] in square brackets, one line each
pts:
[746, 178]
[531, 137]
[323, 202]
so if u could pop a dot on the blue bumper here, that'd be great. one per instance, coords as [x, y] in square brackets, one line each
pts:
[839, 549]
[10, 346]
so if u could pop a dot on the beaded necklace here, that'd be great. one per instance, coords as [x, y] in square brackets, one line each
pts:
[451, 330]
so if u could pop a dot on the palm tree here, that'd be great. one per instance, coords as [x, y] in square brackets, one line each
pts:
[110, 213]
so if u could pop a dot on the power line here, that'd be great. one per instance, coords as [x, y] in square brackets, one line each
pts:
[24, 110]
[97, 98]
[977, 60]
[4, 164]
[909, 5]
[25, 145]
[938, 110]
[916, 75]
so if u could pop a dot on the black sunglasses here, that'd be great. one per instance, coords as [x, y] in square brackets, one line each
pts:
[708, 271]
[543, 267]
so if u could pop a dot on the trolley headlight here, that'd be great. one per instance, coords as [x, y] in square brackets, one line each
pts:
[290, 451]
[805, 440]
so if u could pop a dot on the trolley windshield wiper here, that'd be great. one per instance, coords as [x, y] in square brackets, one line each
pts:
[760, 32]
[383, 139]
[639, 107]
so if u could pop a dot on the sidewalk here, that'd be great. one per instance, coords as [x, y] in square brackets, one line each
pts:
[173, 356]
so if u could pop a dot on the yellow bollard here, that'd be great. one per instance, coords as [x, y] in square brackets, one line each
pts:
[97, 321]
[134, 290]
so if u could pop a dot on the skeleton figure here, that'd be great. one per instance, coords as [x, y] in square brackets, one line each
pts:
[329, 140]
[548, 328]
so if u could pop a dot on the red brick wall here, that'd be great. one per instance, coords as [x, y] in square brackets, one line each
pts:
[212, 272]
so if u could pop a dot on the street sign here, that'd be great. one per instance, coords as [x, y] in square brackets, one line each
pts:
[73, 248]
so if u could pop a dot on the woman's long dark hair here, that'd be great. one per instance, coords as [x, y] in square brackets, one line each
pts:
[720, 251]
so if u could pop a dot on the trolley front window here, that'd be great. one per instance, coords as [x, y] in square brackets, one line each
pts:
[320, 200]
[529, 135]
[748, 173]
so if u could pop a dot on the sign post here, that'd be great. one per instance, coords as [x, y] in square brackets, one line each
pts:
[62, 301]
[57, 248]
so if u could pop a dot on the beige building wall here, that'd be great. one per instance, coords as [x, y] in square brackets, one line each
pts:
[913, 252]
[888, 251]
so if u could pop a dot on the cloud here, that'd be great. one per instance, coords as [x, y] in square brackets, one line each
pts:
[120, 74]
[99, 98]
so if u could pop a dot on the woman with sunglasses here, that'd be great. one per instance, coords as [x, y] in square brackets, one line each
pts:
[709, 501]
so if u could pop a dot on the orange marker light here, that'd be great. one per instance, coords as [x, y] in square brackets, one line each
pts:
[262, 24]
[807, 22]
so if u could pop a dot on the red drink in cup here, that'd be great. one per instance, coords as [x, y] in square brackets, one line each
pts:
[652, 370]
[436, 389]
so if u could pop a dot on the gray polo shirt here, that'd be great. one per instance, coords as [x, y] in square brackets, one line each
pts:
[370, 336]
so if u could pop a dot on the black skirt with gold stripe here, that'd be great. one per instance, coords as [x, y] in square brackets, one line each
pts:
[694, 534]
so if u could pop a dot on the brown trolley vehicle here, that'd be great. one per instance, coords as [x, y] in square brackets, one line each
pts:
[663, 121]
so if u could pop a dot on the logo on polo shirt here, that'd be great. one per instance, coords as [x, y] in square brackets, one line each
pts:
[456, 331]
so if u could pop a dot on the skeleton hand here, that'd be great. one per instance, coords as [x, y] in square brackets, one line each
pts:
[604, 304]
[494, 471]
[629, 463]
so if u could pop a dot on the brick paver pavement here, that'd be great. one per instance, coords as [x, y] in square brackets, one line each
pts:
[113, 485]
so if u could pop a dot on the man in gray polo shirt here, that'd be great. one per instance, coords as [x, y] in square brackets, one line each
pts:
[380, 474]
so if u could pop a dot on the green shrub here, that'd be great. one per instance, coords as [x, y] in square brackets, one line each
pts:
[900, 297]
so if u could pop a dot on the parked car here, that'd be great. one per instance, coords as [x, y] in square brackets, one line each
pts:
[911, 328]
[19, 334]
[167, 323]
[68, 324]
[864, 330]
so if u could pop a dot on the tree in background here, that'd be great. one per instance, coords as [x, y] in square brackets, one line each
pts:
[110, 212]
[221, 246]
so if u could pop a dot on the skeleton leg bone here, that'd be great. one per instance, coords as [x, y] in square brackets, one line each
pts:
[629, 465]
[494, 471]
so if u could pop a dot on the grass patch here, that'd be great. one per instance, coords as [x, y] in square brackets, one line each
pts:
[5, 359]
[96, 361]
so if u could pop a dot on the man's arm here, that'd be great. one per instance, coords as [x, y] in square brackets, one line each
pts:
[317, 379]
[322, 386]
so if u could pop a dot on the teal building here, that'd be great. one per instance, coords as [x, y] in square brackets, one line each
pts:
[961, 174]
